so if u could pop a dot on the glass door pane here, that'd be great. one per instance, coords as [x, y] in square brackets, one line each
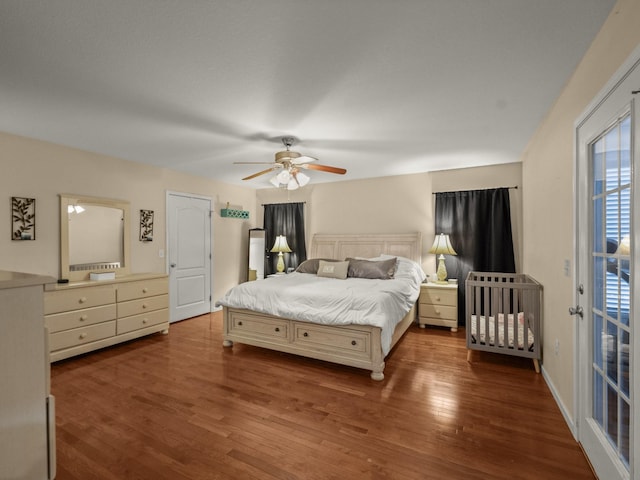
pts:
[610, 309]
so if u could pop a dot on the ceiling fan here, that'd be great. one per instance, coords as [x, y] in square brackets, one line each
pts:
[290, 163]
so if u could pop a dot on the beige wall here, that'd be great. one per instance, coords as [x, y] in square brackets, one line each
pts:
[392, 204]
[548, 171]
[42, 170]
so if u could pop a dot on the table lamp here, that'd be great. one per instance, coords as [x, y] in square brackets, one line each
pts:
[281, 247]
[442, 246]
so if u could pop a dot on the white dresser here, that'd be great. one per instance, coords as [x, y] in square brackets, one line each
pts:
[85, 316]
[27, 410]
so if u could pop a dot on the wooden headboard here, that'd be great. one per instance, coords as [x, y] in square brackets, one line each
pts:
[341, 246]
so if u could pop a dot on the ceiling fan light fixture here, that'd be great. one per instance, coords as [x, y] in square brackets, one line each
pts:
[284, 176]
[302, 179]
[292, 185]
[275, 182]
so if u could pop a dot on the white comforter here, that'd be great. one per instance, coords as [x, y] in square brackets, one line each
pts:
[307, 297]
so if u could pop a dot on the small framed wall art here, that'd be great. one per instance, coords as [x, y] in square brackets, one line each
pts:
[146, 225]
[23, 218]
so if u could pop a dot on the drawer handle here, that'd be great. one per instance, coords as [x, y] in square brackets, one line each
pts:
[83, 336]
[145, 290]
[437, 312]
[438, 299]
[83, 299]
[83, 318]
[144, 320]
[277, 329]
[305, 334]
[353, 342]
[239, 323]
[144, 305]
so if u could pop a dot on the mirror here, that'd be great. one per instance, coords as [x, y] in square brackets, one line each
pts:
[94, 236]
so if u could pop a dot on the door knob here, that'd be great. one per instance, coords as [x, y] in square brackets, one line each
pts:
[577, 310]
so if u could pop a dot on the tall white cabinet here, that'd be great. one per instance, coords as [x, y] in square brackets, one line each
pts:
[27, 410]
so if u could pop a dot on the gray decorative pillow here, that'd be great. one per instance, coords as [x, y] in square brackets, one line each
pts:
[382, 269]
[333, 269]
[311, 265]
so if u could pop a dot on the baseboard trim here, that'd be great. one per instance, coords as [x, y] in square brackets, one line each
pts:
[565, 413]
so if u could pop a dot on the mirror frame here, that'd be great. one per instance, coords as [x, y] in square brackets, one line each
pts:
[69, 199]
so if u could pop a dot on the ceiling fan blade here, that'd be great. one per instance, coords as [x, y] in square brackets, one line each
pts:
[303, 159]
[324, 168]
[260, 173]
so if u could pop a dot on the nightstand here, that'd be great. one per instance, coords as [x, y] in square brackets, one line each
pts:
[438, 305]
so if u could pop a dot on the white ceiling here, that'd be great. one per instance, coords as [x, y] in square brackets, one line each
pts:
[379, 87]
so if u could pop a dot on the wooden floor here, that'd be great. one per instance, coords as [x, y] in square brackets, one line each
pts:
[181, 406]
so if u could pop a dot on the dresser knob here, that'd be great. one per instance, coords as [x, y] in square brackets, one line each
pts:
[83, 336]
[83, 318]
[144, 305]
[305, 334]
[438, 299]
[83, 299]
[145, 290]
[277, 329]
[437, 312]
[144, 320]
[353, 342]
[239, 323]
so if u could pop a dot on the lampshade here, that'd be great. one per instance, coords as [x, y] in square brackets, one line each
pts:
[284, 176]
[625, 246]
[302, 179]
[281, 245]
[442, 245]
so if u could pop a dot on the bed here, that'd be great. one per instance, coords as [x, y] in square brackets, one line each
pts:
[321, 326]
[503, 314]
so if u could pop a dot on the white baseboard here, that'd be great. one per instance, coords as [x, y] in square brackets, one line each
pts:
[567, 418]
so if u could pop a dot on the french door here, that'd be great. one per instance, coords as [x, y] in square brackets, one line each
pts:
[608, 142]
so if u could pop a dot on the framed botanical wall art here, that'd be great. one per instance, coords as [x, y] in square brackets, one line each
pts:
[23, 218]
[146, 225]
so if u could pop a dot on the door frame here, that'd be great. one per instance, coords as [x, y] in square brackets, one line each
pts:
[168, 193]
[611, 88]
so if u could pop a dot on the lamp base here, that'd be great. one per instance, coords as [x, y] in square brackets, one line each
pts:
[280, 265]
[442, 270]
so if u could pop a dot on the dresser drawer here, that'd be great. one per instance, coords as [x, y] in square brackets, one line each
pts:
[438, 311]
[79, 336]
[143, 305]
[249, 326]
[136, 322]
[142, 288]
[75, 298]
[347, 342]
[439, 296]
[77, 318]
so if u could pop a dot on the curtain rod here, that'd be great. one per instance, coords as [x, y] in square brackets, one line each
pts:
[474, 190]
[281, 203]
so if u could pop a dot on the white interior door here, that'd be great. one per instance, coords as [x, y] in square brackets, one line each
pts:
[607, 149]
[189, 257]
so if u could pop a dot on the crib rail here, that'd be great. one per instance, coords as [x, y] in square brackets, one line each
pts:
[503, 314]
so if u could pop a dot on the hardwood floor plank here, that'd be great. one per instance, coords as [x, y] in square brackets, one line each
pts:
[181, 406]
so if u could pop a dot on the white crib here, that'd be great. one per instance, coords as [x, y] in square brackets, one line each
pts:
[504, 314]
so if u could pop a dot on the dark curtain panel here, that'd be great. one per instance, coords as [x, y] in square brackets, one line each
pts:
[478, 223]
[284, 219]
